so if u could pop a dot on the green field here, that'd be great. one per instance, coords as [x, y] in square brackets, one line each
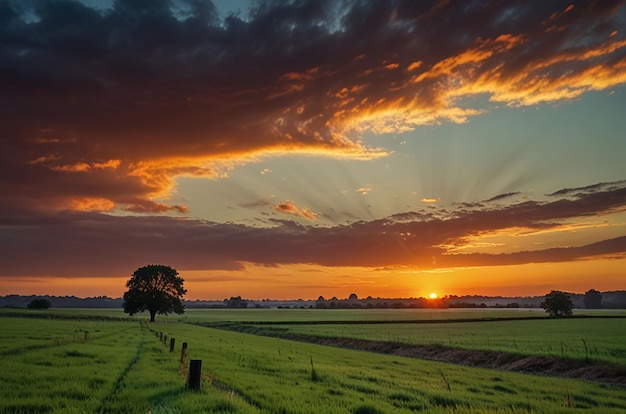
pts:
[48, 367]
[585, 339]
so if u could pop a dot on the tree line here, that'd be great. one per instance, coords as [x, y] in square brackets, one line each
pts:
[159, 289]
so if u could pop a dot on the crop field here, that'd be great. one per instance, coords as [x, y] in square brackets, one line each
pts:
[49, 365]
[354, 315]
[586, 339]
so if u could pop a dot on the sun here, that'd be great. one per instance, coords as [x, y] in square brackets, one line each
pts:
[433, 295]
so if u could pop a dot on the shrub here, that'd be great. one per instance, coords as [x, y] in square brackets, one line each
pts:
[39, 304]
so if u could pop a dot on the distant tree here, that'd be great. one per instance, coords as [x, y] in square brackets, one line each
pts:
[320, 303]
[558, 304]
[593, 299]
[236, 302]
[155, 288]
[39, 304]
[353, 297]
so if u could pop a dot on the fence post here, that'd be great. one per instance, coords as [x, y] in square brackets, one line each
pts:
[183, 353]
[164, 339]
[161, 336]
[194, 376]
[172, 340]
[86, 334]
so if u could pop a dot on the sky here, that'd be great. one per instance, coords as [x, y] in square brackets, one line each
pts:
[292, 149]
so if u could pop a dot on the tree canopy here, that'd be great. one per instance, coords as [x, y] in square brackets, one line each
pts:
[236, 302]
[558, 304]
[155, 288]
[39, 304]
[593, 299]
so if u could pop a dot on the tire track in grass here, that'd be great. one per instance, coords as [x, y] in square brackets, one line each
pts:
[52, 343]
[117, 386]
[234, 392]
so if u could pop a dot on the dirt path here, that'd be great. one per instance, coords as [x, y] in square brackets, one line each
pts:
[594, 371]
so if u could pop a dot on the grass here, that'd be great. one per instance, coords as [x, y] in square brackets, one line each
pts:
[47, 367]
[278, 375]
[121, 368]
[581, 339]
[351, 315]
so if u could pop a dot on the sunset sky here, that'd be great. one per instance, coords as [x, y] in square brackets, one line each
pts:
[291, 149]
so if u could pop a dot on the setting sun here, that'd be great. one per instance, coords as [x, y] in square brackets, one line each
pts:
[433, 295]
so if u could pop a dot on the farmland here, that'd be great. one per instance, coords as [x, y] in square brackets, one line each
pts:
[120, 365]
[579, 339]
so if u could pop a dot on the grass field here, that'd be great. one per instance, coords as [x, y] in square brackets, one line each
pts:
[583, 339]
[46, 366]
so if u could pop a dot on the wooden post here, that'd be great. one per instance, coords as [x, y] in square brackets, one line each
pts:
[161, 335]
[86, 334]
[183, 353]
[164, 339]
[194, 376]
[172, 340]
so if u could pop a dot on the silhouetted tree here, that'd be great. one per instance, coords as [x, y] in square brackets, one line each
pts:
[593, 299]
[155, 288]
[320, 303]
[558, 304]
[236, 302]
[39, 304]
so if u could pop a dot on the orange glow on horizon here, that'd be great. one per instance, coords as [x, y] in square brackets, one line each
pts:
[310, 281]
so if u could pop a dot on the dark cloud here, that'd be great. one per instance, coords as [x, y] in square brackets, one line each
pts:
[562, 254]
[93, 244]
[590, 189]
[163, 91]
[502, 196]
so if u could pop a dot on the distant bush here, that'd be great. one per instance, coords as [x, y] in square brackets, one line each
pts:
[39, 304]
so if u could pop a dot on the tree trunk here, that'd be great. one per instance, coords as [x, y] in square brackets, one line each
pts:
[152, 314]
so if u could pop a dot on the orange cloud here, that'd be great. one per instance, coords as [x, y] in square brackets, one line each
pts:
[147, 206]
[83, 166]
[289, 207]
[135, 122]
[91, 204]
[414, 65]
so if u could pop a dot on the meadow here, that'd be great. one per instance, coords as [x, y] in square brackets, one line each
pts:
[47, 366]
[577, 339]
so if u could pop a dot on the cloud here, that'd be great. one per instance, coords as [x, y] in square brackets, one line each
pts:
[590, 189]
[71, 243]
[115, 104]
[289, 207]
[502, 197]
[259, 203]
